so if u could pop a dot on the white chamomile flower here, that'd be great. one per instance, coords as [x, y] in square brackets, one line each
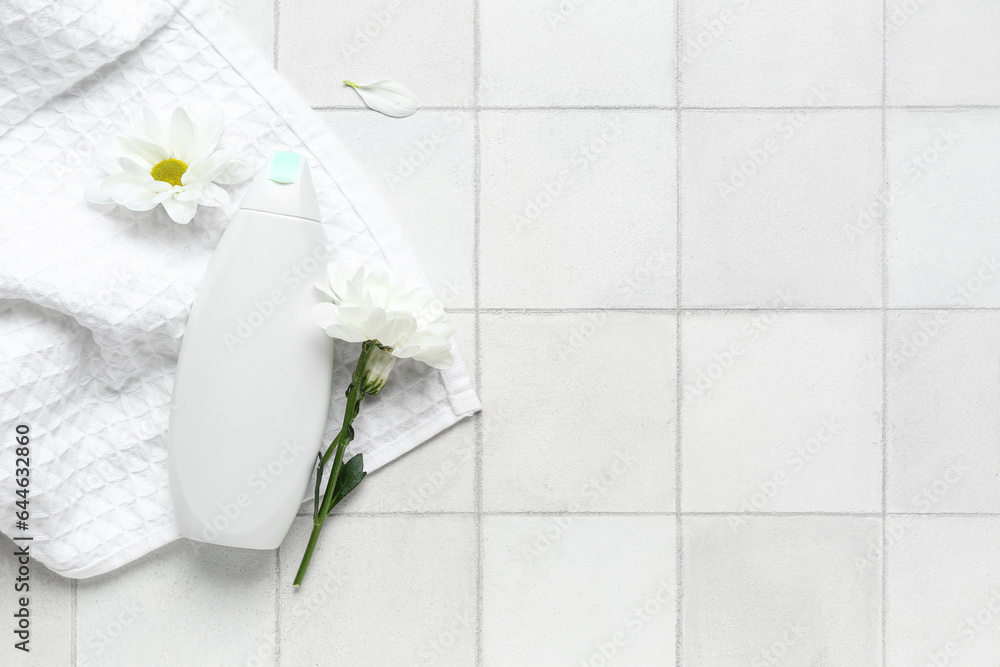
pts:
[375, 304]
[373, 307]
[170, 160]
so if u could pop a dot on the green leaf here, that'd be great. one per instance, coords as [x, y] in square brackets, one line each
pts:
[351, 474]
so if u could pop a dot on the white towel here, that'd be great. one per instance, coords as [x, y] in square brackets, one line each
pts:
[93, 300]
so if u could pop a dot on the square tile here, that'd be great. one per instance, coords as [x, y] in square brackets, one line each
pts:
[437, 476]
[942, 232]
[569, 53]
[426, 45]
[389, 590]
[253, 20]
[579, 590]
[781, 53]
[943, 591]
[781, 591]
[942, 52]
[781, 412]
[214, 605]
[49, 609]
[579, 411]
[771, 202]
[587, 199]
[424, 169]
[943, 374]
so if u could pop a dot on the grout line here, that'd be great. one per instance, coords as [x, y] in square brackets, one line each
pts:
[940, 107]
[698, 513]
[277, 606]
[394, 513]
[476, 239]
[860, 107]
[606, 309]
[73, 622]
[678, 394]
[274, 37]
[277, 552]
[885, 334]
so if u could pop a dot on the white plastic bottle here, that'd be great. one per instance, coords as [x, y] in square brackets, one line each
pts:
[252, 388]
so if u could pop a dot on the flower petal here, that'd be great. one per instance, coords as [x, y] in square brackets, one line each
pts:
[180, 212]
[213, 195]
[325, 314]
[210, 123]
[237, 170]
[146, 122]
[387, 97]
[93, 192]
[183, 137]
[134, 196]
[146, 150]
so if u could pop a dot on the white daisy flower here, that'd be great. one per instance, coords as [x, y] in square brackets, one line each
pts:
[374, 304]
[170, 161]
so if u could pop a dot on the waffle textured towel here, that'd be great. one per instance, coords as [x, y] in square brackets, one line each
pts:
[93, 300]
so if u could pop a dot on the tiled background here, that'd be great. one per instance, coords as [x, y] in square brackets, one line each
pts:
[727, 271]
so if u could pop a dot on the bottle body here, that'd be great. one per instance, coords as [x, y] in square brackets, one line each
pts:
[252, 387]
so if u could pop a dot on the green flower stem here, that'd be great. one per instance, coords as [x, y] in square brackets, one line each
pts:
[351, 84]
[355, 394]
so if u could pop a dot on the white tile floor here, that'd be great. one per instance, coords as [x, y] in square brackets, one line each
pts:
[727, 273]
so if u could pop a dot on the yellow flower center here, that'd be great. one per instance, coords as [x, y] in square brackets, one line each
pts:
[169, 171]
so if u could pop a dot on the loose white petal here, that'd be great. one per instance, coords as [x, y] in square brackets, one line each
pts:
[387, 97]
